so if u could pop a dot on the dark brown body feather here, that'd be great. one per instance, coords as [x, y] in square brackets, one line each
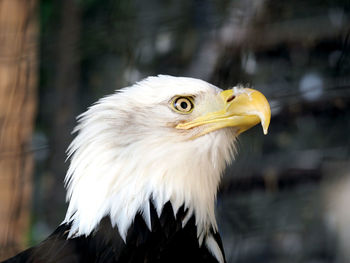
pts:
[167, 242]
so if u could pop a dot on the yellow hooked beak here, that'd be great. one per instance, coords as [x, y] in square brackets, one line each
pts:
[242, 108]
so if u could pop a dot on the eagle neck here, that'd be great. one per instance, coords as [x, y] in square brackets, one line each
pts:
[115, 185]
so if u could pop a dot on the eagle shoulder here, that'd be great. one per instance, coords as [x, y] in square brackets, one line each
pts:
[167, 241]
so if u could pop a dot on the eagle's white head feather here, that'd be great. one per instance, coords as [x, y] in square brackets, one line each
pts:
[131, 148]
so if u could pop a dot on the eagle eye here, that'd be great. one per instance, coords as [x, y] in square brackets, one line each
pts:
[182, 105]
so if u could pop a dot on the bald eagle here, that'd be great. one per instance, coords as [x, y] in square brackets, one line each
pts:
[145, 168]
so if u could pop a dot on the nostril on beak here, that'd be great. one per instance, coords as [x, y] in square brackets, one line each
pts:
[231, 98]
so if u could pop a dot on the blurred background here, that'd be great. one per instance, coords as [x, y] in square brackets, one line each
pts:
[286, 198]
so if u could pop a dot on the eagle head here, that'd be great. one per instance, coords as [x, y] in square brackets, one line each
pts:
[164, 139]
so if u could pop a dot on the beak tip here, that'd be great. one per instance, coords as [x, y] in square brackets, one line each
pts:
[265, 127]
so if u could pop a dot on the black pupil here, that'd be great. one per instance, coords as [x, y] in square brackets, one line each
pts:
[183, 105]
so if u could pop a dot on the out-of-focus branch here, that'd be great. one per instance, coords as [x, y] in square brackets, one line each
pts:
[18, 79]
